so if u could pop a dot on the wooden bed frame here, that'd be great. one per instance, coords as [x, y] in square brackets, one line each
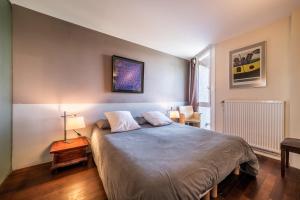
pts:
[213, 192]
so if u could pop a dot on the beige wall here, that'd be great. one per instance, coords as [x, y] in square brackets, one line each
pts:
[58, 62]
[277, 37]
[294, 78]
[281, 80]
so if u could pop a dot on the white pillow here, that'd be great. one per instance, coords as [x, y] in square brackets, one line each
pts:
[120, 121]
[156, 118]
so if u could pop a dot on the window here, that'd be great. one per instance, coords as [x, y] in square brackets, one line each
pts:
[205, 105]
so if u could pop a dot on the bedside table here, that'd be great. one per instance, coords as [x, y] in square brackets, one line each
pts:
[73, 152]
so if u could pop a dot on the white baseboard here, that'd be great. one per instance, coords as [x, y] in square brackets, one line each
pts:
[294, 159]
[273, 156]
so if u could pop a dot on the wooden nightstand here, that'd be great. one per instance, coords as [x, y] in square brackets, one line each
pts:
[73, 152]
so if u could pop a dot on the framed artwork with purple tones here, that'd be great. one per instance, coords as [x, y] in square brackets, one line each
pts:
[128, 75]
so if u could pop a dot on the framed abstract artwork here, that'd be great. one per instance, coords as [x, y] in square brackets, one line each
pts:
[247, 66]
[128, 75]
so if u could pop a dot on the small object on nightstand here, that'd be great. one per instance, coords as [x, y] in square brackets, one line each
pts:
[181, 119]
[174, 115]
[66, 154]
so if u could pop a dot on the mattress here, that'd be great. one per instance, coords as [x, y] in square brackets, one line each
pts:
[168, 162]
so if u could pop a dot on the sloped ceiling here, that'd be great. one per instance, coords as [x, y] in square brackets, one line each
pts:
[178, 27]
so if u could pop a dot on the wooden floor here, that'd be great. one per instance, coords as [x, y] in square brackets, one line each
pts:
[83, 183]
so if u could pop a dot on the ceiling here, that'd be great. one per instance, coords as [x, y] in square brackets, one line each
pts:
[178, 27]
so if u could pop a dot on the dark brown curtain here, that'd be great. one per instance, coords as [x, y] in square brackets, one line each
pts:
[193, 98]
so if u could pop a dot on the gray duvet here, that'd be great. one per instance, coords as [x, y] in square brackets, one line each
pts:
[169, 162]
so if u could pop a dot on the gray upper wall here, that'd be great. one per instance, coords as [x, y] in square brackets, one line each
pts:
[58, 62]
[5, 89]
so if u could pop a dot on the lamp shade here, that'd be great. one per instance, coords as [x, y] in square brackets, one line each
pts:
[174, 114]
[75, 123]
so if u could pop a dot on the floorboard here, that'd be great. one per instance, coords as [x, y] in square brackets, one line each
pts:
[81, 182]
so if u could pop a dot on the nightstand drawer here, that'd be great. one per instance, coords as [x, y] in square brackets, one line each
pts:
[69, 155]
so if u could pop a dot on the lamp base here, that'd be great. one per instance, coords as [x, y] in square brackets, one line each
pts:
[68, 141]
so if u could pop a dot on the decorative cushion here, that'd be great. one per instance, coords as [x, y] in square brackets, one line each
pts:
[120, 121]
[156, 118]
[103, 124]
[140, 120]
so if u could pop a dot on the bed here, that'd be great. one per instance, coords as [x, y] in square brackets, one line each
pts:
[168, 162]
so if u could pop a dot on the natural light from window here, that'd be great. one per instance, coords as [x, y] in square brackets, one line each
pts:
[204, 90]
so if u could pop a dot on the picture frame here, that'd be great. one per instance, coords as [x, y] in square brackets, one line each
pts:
[247, 66]
[127, 75]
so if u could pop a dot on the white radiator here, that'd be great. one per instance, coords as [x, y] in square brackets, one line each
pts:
[260, 123]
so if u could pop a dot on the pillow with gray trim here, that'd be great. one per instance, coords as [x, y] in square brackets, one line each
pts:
[156, 118]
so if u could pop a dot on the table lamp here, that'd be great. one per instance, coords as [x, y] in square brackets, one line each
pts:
[72, 122]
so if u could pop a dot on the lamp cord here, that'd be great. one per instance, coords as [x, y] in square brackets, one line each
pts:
[77, 133]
